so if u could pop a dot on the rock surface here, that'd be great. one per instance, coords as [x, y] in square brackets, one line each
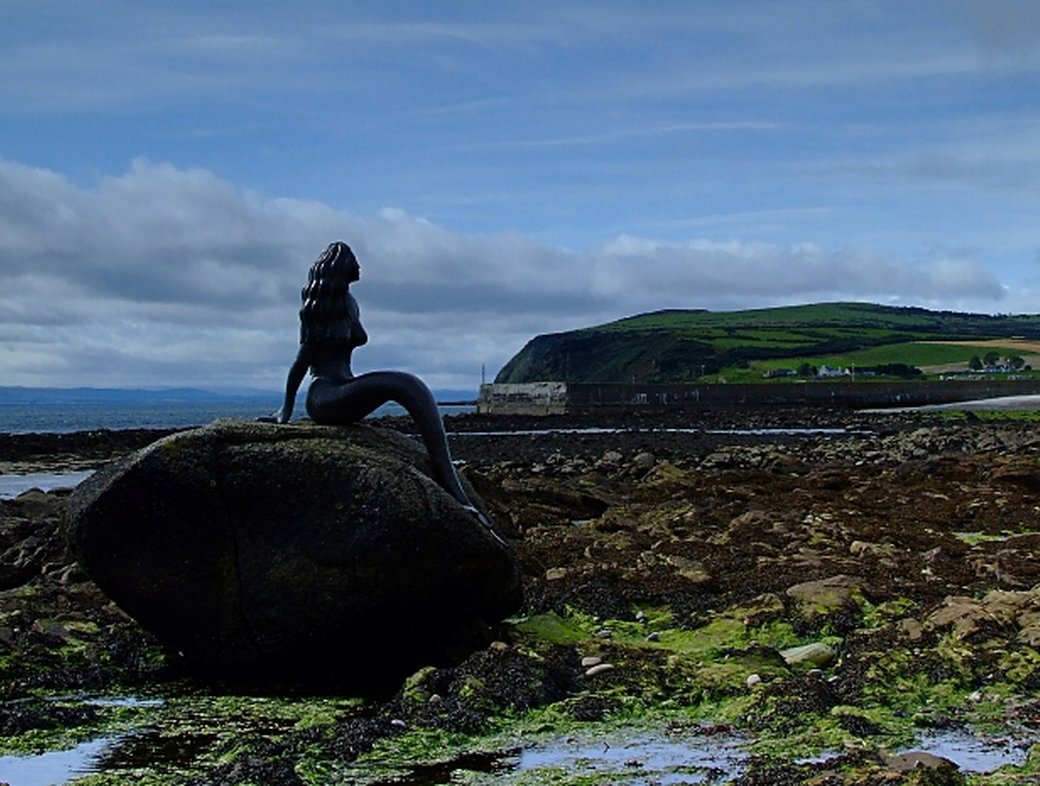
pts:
[934, 562]
[254, 548]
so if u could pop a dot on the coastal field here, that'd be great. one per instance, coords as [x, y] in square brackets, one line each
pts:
[1026, 347]
[1028, 350]
[931, 357]
[727, 597]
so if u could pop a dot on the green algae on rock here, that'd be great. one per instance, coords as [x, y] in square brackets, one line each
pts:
[933, 640]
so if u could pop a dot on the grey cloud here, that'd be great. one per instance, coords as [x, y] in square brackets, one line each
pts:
[166, 276]
[993, 171]
[1004, 163]
[156, 234]
[1005, 28]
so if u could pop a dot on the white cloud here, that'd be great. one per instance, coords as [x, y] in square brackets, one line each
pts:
[676, 275]
[956, 276]
[169, 276]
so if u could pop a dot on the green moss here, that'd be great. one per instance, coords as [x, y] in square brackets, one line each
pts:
[718, 680]
[876, 616]
[680, 675]
[733, 630]
[1019, 664]
[550, 628]
[471, 688]
[140, 778]
[391, 755]
[416, 689]
[975, 538]
[723, 632]
[199, 731]
[921, 698]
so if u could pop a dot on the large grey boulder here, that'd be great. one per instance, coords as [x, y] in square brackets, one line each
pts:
[298, 550]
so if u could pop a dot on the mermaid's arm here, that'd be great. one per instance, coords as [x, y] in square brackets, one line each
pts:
[292, 383]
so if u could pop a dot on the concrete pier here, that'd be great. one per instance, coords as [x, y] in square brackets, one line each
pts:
[547, 398]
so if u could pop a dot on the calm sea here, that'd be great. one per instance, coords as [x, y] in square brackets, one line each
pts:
[63, 418]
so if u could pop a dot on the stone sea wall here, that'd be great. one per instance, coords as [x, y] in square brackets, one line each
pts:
[548, 398]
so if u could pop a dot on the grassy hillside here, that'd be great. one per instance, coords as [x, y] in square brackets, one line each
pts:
[681, 346]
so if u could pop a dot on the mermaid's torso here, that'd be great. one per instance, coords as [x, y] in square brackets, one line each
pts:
[341, 329]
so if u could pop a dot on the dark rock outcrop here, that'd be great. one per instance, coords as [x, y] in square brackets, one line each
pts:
[293, 550]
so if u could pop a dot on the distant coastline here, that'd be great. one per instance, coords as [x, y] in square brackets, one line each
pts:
[26, 410]
[19, 395]
[22, 395]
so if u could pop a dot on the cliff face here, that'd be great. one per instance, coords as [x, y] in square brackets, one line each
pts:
[616, 356]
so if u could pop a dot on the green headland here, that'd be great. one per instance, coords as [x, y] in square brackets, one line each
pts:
[853, 340]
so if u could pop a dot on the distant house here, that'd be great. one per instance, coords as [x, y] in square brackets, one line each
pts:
[830, 371]
[777, 373]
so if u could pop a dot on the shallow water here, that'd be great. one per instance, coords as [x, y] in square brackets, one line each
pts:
[53, 767]
[632, 757]
[974, 753]
[748, 432]
[13, 485]
[642, 759]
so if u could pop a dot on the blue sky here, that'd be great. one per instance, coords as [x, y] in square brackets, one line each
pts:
[168, 171]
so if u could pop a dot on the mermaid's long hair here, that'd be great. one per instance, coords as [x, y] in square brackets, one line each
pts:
[324, 315]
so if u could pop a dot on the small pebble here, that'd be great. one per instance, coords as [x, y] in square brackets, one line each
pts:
[753, 680]
[655, 636]
[590, 660]
[398, 723]
[599, 668]
[603, 633]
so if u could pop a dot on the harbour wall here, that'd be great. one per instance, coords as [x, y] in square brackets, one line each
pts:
[548, 398]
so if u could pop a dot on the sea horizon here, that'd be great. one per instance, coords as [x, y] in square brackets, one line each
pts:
[67, 410]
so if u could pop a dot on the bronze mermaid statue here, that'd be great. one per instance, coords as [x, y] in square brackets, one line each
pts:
[330, 330]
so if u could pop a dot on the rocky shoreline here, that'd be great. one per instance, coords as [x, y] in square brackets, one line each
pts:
[827, 583]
